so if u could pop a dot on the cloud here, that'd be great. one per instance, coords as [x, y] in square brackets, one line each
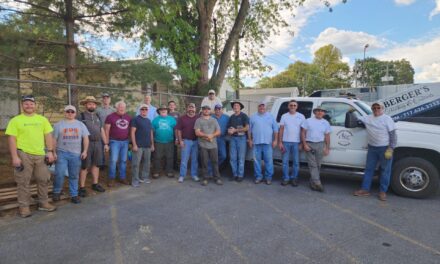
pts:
[423, 54]
[117, 47]
[297, 20]
[348, 42]
[404, 2]
[436, 10]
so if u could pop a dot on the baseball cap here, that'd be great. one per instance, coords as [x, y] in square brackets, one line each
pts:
[379, 104]
[191, 105]
[144, 106]
[206, 107]
[70, 107]
[28, 98]
[105, 95]
[211, 92]
[218, 106]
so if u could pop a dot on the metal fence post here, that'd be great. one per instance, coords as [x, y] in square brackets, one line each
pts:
[69, 93]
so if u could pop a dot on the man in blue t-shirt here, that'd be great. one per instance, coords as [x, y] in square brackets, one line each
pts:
[163, 130]
[141, 134]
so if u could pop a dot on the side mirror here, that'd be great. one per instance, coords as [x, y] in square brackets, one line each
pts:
[351, 120]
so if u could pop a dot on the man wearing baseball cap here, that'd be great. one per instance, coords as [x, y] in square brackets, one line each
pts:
[71, 141]
[222, 120]
[382, 139]
[211, 100]
[30, 141]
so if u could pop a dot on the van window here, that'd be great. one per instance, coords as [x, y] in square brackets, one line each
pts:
[336, 112]
[304, 108]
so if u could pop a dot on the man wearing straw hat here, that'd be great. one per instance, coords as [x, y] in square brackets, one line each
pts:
[95, 151]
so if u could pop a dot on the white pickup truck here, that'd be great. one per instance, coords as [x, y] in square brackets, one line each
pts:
[416, 163]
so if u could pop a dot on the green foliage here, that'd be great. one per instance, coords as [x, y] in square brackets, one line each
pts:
[327, 71]
[372, 70]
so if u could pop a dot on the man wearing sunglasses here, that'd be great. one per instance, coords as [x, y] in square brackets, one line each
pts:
[29, 135]
[290, 130]
[382, 139]
[71, 141]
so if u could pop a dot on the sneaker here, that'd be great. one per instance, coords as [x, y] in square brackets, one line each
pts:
[284, 182]
[110, 183]
[75, 200]
[124, 181]
[98, 188]
[268, 182]
[382, 196]
[196, 179]
[257, 181]
[316, 187]
[180, 179]
[170, 175]
[46, 206]
[155, 175]
[294, 182]
[135, 185]
[219, 182]
[239, 179]
[141, 180]
[24, 211]
[204, 182]
[361, 193]
[56, 197]
[82, 192]
[147, 181]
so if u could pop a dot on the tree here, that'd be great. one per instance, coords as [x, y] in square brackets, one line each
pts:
[91, 13]
[327, 71]
[373, 70]
[183, 30]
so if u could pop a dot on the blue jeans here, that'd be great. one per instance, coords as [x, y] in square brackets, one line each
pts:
[375, 155]
[118, 152]
[263, 151]
[71, 162]
[143, 154]
[237, 153]
[290, 147]
[190, 150]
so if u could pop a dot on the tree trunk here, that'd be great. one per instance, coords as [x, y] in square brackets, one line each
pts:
[218, 77]
[71, 52]
[205, 9]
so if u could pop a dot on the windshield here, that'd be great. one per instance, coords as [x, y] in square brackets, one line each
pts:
[364, 107]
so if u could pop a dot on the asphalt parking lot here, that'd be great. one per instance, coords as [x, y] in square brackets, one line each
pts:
[168, 222]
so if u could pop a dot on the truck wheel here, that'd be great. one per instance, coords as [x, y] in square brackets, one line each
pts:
[414, 177]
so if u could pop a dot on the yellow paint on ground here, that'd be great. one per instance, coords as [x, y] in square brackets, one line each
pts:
[308, 230]
[226, 238]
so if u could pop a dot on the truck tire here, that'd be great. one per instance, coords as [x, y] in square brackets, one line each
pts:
[414, 177]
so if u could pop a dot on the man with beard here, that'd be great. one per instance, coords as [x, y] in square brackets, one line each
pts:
[117, 130]
[29, 133]
[187, 140]
[95, 151]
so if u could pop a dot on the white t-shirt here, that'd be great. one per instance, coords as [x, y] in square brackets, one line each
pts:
[316, 129]
[292, 126]
[378, 128]
[211, 103]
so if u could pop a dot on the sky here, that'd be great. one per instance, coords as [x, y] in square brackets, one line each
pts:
[393, 30]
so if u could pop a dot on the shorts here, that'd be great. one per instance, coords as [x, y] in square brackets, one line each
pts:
[95, 155]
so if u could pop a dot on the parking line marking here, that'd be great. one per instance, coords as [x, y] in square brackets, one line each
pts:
[307, 229]
[381, 227]
[226, 238]
[115, 232]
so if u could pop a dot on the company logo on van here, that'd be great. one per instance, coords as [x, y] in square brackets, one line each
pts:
[344, 137]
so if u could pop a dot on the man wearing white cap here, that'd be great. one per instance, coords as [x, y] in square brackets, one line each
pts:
[211, 100]
[71, 141]
[382, 139]
[263, 137]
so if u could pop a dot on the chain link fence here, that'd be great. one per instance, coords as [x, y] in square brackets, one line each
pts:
[51, 98]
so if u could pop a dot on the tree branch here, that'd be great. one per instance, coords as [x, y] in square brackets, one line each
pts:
[40, 7]
[26, 13]
[99, 14]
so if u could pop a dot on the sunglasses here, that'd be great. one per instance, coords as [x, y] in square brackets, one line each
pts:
[293, 105]
[70, 111]
[144, 109]
[375, 107]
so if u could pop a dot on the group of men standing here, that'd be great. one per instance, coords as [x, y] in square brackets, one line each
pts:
[78, 143]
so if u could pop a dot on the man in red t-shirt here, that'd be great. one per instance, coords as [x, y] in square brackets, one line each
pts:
[187, 141]
[117, 130]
